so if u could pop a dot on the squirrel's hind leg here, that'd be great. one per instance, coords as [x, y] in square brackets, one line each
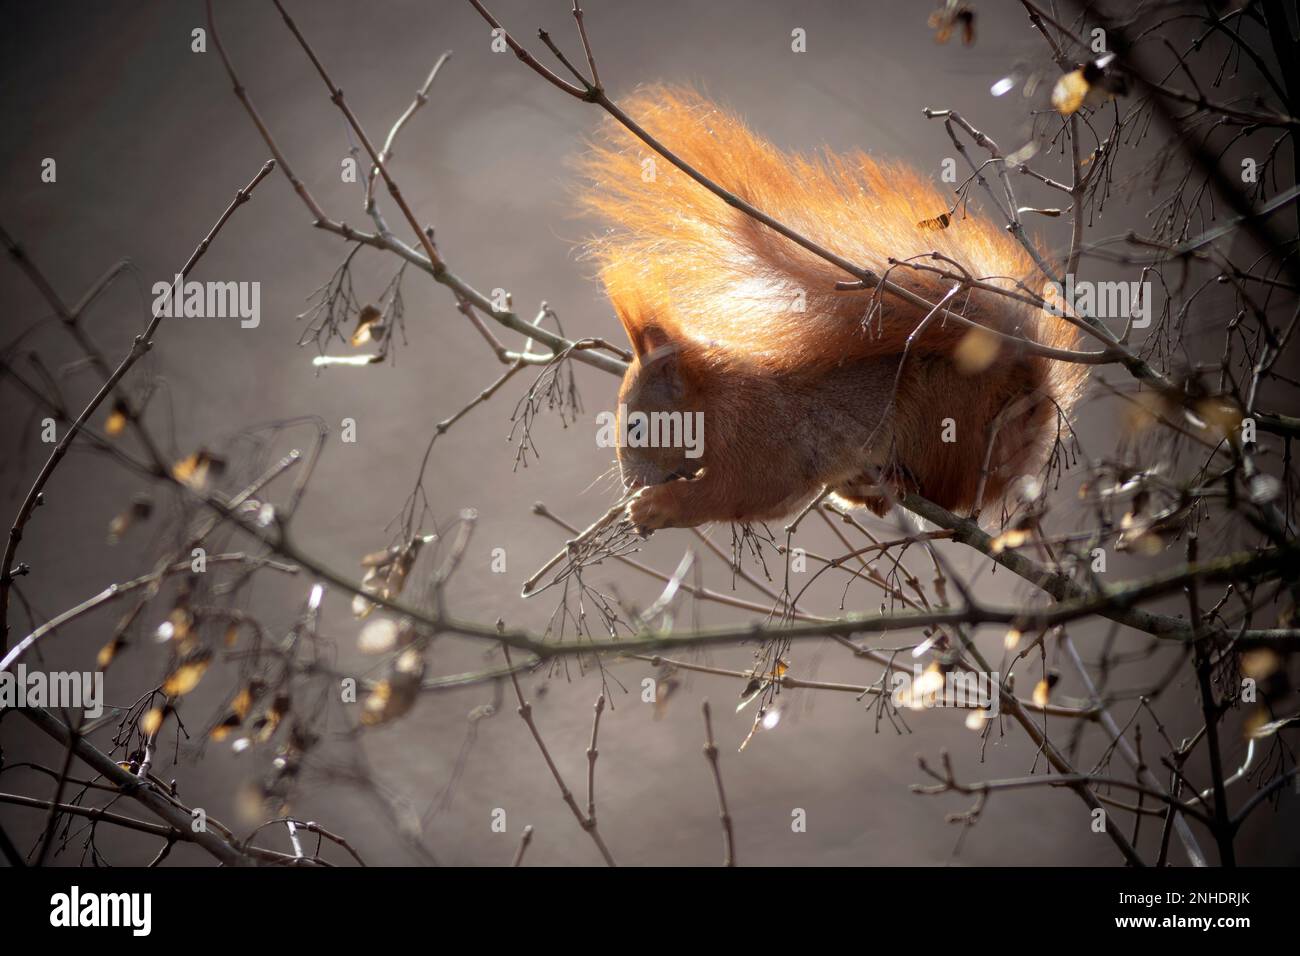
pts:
[860, 497]
[871, 490]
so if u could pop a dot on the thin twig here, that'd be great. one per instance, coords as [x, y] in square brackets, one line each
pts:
[587, 823]
[711, 754]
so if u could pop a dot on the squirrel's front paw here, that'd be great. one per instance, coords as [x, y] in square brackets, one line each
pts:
[652, 508]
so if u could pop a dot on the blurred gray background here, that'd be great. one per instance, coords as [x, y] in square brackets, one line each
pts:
[151, 144]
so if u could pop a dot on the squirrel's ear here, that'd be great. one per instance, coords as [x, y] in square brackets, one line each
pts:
[661, 375]
[650, 338]
[641, 321]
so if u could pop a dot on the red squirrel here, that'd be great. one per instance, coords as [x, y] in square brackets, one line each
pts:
[802, 387]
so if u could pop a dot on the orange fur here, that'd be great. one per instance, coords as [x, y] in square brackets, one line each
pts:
[682, 266]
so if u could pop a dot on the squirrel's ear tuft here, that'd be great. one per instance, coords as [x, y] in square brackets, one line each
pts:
[630, 320]
[638, 292]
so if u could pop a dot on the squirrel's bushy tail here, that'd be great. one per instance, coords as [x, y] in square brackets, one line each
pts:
[680, 258]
